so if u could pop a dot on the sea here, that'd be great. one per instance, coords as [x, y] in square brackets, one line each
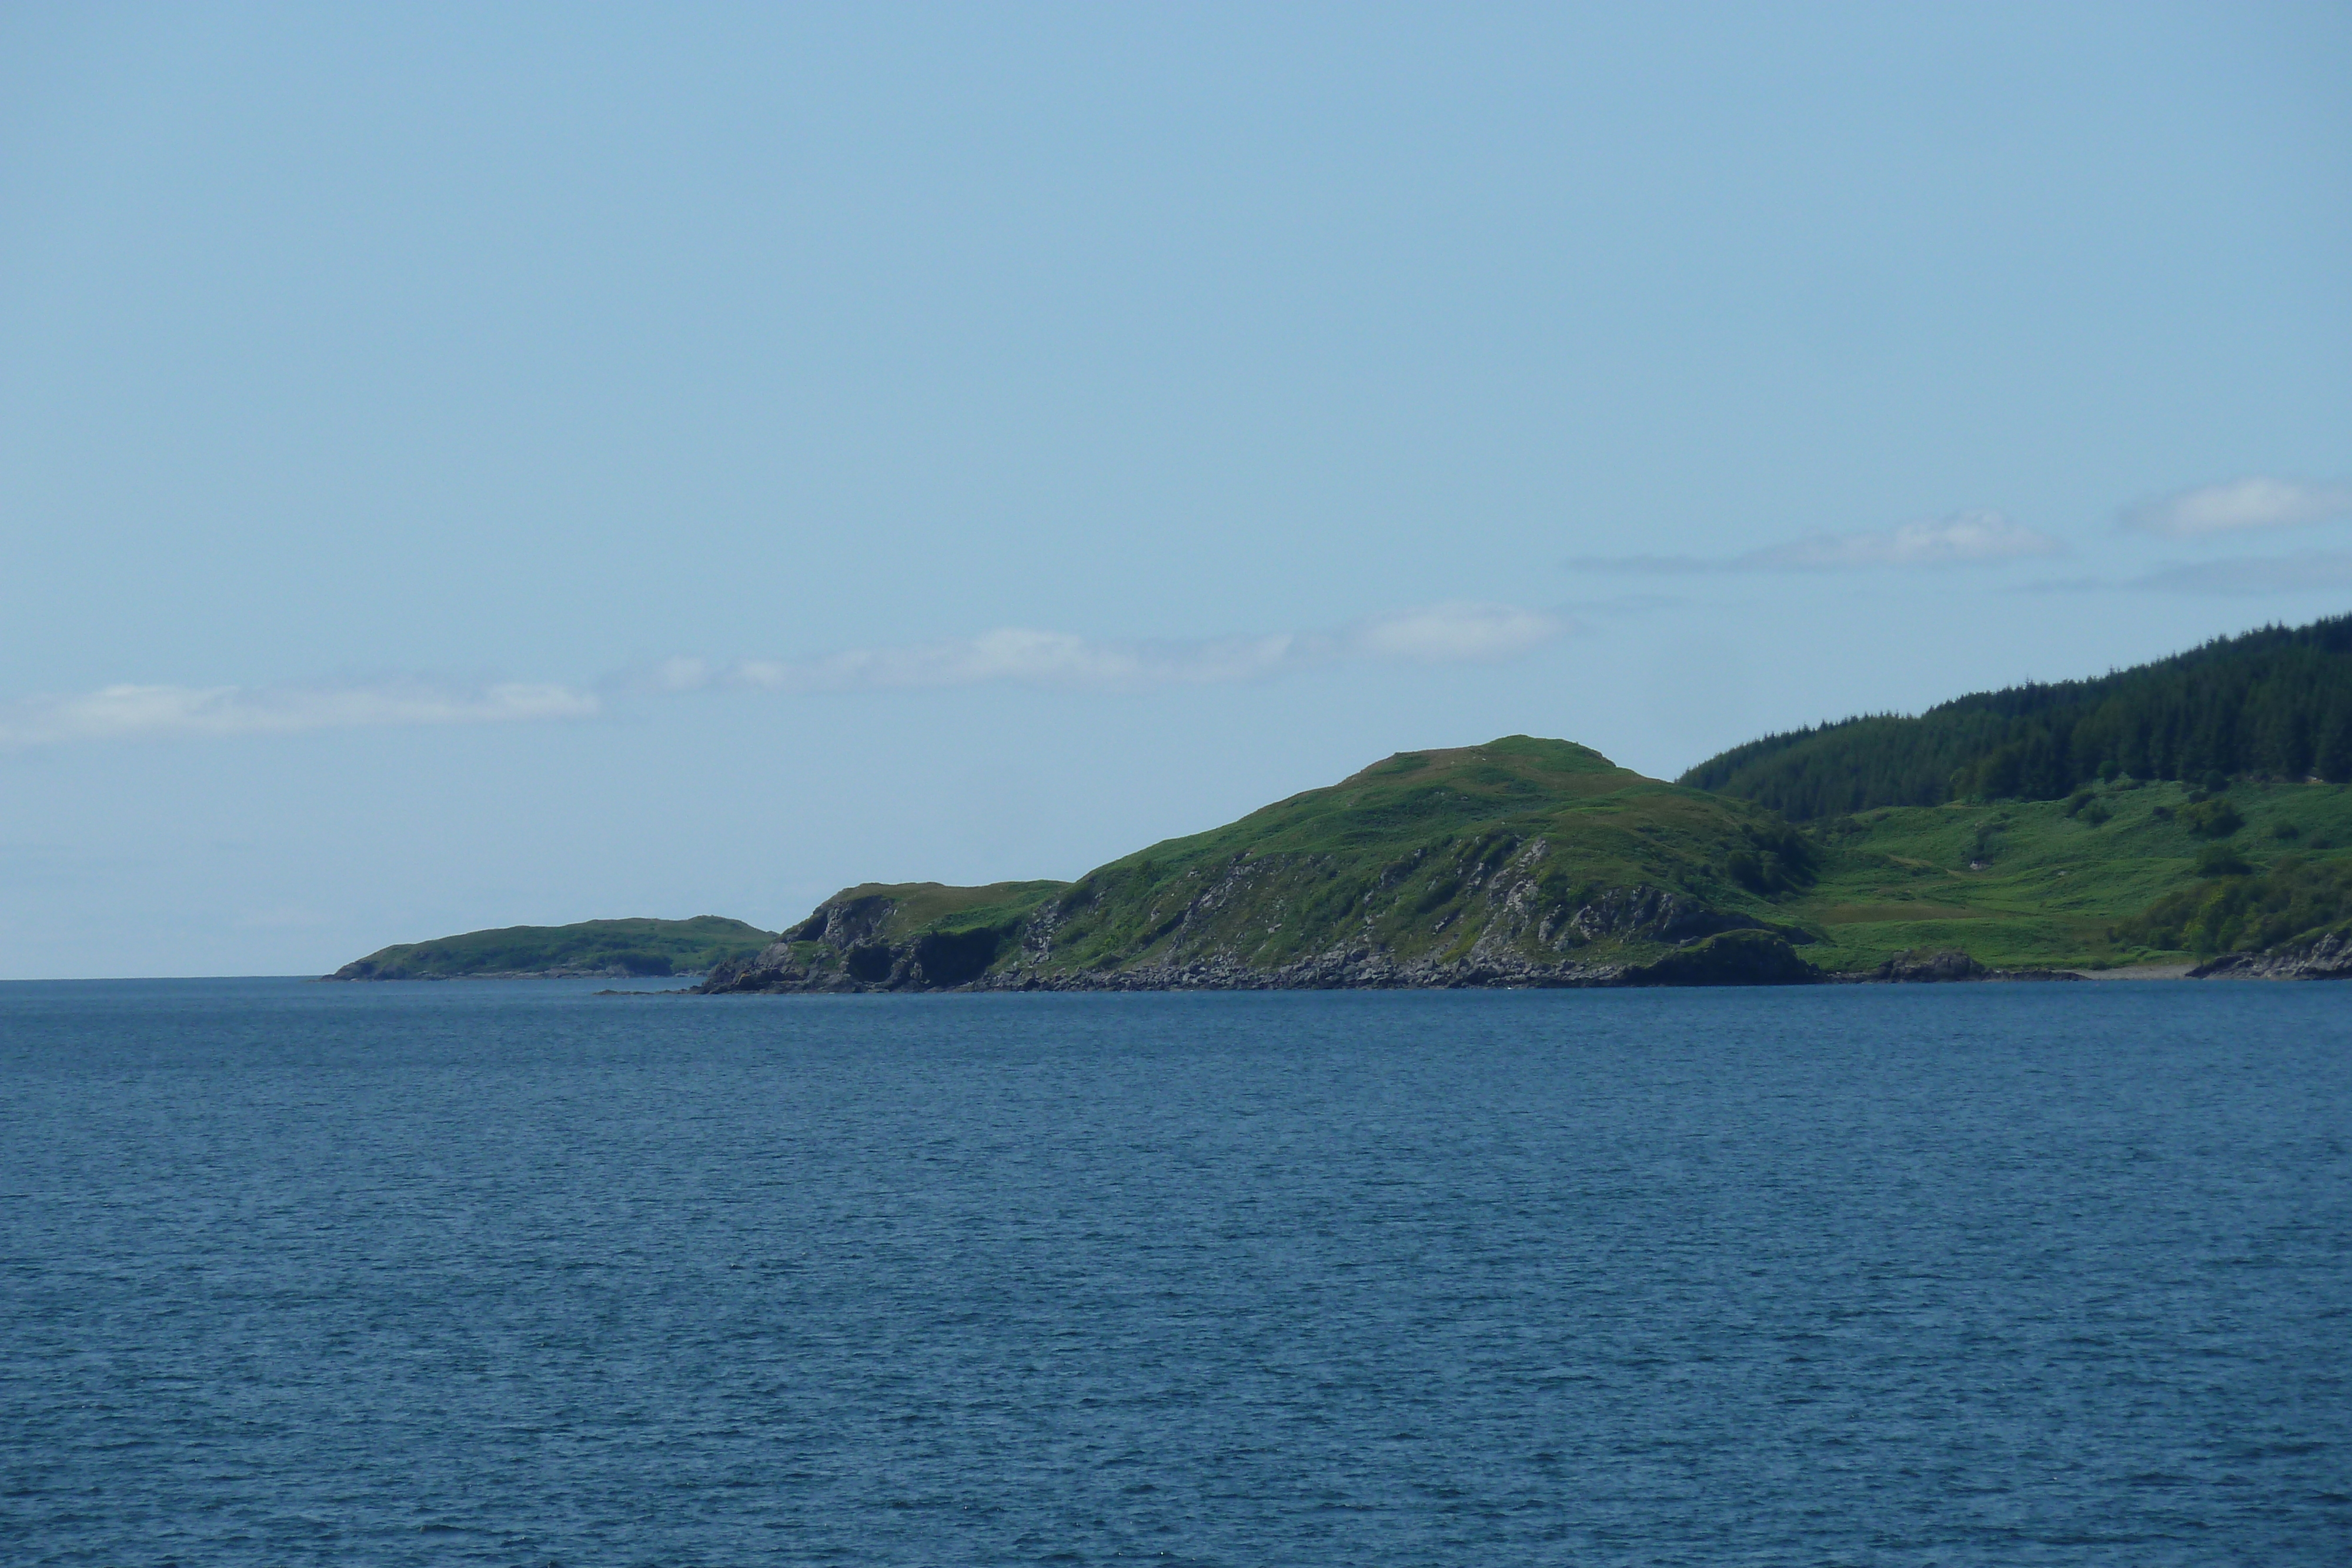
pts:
[513, 1272]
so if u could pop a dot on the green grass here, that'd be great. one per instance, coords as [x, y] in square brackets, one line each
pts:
[919, 907]
[590, 946]
[2053, 887]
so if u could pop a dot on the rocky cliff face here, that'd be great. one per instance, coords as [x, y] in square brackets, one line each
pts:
[849, 960]
[2323, 957]
[918, 936]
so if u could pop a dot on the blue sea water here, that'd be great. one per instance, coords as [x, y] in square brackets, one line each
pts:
[508, 1272]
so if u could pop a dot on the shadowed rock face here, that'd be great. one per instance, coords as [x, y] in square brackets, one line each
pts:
[1948, 965]
[919, 937]
[2325, 958]
[1907, 969]
[845, 921]
[930, 961]
[1656, 914]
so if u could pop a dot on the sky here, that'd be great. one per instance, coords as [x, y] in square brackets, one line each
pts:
[470, 466]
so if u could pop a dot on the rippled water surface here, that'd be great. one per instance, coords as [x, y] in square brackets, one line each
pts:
[507, 1272]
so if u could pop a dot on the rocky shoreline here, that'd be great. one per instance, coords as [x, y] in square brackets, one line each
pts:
[608, 972]
[1732, 959]
[1944, 968]
[1741, 958]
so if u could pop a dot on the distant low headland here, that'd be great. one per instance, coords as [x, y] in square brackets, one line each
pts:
[588, 949]
[2189, 813]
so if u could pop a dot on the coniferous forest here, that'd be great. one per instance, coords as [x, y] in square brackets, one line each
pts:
[2271, 704]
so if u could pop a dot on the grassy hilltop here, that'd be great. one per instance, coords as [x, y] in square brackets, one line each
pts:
[1429, 855]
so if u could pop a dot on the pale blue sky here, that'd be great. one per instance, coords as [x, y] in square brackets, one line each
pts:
[530, 464]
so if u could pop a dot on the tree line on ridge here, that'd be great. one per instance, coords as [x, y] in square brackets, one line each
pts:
[2275, 702]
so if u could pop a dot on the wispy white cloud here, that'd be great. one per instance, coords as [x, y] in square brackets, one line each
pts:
[1456, 632]
[1012, 654]
[2255, 502]
[1964, 538]
[130, 712]
[1453, 632]
[1450, 633]
[2305, 571]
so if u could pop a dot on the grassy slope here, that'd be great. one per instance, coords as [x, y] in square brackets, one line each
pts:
[1400, 857]
[2056, 886]
[934, 906]
[639, 947]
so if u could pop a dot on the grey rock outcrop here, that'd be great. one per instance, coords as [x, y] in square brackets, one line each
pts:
[1913, 969]
[1945, 966]
[2327, 957]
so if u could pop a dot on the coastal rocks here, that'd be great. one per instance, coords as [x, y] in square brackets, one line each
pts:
[1737, 957]
[1911, 969]
[844, 923]
[2324, 958]
[1945, 966]
[775, 969]
[839, 950]
[868, 965]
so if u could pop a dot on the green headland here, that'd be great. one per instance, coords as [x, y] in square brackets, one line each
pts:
[614, 947]
[2190, 811]
[1520, 861]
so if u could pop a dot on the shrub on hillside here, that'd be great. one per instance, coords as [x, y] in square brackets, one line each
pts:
[2221, 859]
[2241, 914]
[2214, 818]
